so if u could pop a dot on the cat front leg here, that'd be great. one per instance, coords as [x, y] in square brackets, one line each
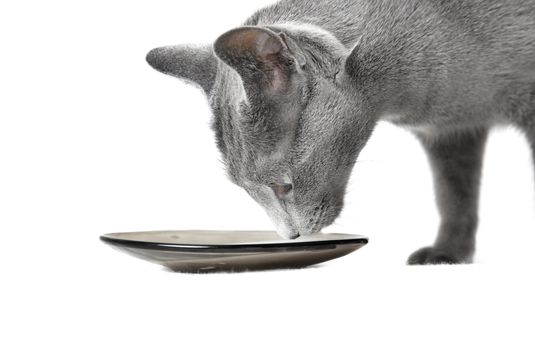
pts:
[456, 160]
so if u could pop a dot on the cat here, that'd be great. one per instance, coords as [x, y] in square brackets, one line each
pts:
[297, 90]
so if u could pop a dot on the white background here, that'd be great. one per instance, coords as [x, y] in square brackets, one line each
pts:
[92, 140]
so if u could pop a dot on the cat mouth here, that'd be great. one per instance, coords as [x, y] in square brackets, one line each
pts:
[294, 236]
[289, 235]
[286, 231]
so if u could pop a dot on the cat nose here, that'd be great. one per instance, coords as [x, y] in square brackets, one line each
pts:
[281, 191]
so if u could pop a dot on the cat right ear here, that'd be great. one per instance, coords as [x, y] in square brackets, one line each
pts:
[194, 64]
[259, 55]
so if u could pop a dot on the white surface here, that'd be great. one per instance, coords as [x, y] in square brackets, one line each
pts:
[92, 141]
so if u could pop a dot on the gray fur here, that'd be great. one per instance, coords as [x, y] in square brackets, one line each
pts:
[195, 64]
[297, 91]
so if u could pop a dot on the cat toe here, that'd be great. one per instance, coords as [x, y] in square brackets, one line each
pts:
[431, 256]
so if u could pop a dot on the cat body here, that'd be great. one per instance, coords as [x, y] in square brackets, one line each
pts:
[297, 90]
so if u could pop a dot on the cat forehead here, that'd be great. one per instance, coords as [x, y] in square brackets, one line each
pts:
[254, 140]
[253, 161]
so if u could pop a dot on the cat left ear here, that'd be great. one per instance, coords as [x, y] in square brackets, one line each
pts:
[259, 55]
[194, 64]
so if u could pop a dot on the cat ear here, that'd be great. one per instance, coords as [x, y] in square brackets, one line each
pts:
[195, 64]
[259, 55]
[353, 63]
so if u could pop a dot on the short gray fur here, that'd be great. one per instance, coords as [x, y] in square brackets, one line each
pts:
[297, 91]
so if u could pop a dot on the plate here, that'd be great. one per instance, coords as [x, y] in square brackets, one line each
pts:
[208, 251]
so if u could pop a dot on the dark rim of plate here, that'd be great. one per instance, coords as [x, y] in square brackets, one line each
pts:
[324, 244]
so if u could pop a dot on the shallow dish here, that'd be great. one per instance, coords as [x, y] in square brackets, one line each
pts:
[207, 251]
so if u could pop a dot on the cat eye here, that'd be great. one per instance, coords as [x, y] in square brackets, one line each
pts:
[281, 191]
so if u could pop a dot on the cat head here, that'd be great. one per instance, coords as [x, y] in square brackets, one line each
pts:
[287, 121]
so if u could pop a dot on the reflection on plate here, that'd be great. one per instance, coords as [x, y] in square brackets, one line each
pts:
[207, 251]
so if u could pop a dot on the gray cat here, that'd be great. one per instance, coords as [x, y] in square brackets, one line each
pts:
[297, 90]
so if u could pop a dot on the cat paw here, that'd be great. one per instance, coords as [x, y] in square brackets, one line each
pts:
[431, 256]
